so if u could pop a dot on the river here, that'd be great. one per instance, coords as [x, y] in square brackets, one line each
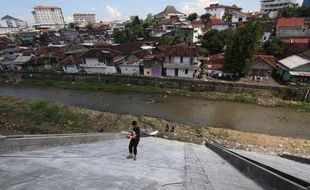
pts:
[192, 111]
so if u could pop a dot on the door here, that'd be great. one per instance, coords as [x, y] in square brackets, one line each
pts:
[176, 72]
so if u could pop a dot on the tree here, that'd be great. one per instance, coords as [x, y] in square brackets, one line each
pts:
[294, 11]
[241, 48]
[120, 36]
[227, 17]
[214, 41]
[192, 17]
[173, 39]
[205, 17]
[71, 25]
[136, 21]
[90, 27]
[274, 47]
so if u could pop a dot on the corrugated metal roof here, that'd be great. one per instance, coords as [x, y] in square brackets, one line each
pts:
[297, 73]
[294, 61]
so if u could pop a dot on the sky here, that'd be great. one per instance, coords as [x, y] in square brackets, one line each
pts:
[108, 10]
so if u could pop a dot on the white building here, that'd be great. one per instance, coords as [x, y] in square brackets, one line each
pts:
[83, 19]
[181, 61]
[271, 6]
[131, 68]
[218, 11]
[48, 17]
[238, 17]
[9, 24]
[98, 61]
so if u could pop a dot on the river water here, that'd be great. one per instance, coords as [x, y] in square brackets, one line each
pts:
[196, 112]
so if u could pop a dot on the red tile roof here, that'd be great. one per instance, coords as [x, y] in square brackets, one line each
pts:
[46, 7]
[216, 61]
[216, 20]
[290, 22]
[72, 60]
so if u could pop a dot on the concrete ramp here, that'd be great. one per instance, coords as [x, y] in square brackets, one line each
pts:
[161, 164]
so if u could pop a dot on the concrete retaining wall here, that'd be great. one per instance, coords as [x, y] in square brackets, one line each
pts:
[187, 84]
[12, 144]
[266, 176]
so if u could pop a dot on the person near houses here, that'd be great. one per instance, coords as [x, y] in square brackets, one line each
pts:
[134, 140]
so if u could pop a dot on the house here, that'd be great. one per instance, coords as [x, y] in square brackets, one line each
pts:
[98, 61]
[218, 11]
[292, 27]
[296, 45]
[218, 24]
[170, 11]
[15, 61]
[180, 60]
[133, 64]
[131, 67]
[28, 37]
[295, 68]
[261, 67]
[9, 24]
[72, 64]
[153, 65]
[215, 65]
[238, 17]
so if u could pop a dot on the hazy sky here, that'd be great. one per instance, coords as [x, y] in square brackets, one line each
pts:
[115, 9]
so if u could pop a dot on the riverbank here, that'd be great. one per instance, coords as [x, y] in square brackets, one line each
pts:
[18, 116]
[264, 99]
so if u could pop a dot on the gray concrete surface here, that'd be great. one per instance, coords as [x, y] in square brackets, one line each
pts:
[161, 164]
[296, 169]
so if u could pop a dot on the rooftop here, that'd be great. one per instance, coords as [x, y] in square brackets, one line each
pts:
[294, 61]
[46, 7]
[290, 22]
[169, 10]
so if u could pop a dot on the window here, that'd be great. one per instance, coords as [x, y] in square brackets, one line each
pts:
[100, 60]
[186, 71]
[181, 59]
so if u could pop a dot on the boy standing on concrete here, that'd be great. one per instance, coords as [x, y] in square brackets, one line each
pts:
[134, 141]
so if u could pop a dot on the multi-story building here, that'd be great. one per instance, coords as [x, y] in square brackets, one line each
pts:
[216, 10]
[48, 17]
[269, 6]
[10, 24]
[306, 3]
[83, 19]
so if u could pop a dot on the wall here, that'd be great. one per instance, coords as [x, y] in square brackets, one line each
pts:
[71, 69]
[291, 93]
[293, 32]
[13, 144]
[129, 70]
[217, 12]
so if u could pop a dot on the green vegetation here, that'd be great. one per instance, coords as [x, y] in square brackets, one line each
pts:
[133, 30]
[274, 47]
[215, 41]
[79, 85]
[205, 17]
[243, 45]
[192, 16]
[227, 16]
[173, 39]
[294, 11]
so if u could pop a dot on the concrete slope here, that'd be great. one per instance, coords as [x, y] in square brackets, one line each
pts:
[161, 164]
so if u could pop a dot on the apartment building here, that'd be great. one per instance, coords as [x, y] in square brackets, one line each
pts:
[269, 6]
[48, 17]
[82, 19]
